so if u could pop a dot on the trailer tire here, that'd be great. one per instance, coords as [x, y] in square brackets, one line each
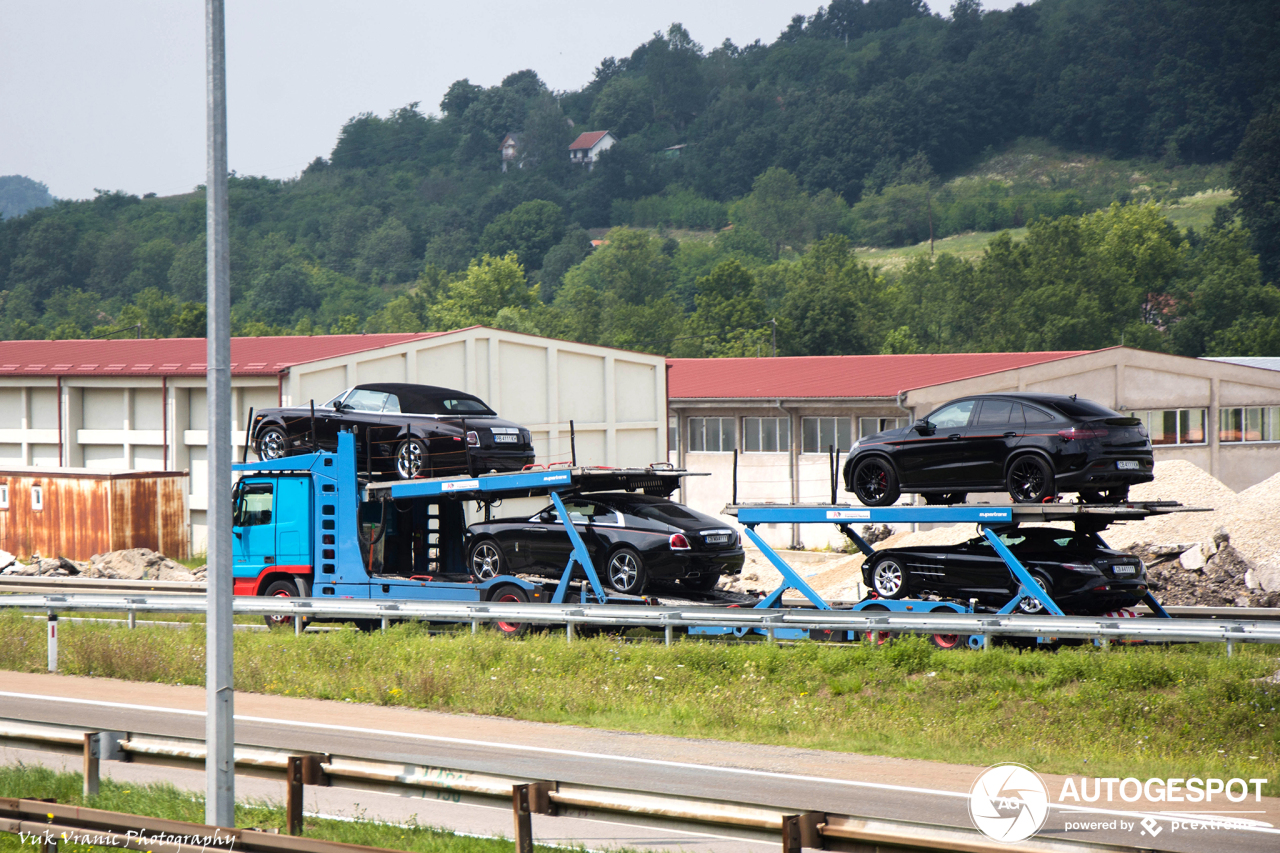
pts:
[947, 641]
[625, 571]
[510, 592]
[485, 561]
[281, 589]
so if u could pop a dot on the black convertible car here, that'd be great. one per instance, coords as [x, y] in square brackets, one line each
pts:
[1077, 569]
[1032, 445]
[403, 430]
[632, 538]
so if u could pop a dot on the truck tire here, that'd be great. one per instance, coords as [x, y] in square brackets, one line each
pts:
[281, 589]
[510, 592]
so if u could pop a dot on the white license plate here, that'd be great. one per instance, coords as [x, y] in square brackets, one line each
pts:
[1124, 570]
[1127, 465]
[506, 439]
[717, 540]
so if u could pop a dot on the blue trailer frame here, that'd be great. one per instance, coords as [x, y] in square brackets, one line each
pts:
[985, 516]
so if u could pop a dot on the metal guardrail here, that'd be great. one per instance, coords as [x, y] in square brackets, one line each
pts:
[58, 585]
[1103, 629]
[752, 822]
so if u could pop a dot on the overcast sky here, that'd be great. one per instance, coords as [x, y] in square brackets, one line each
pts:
[111, 95]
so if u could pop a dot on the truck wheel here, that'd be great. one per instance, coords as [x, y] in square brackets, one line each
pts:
[626, 572]
[411, 458]
[272, 444]
[508, 592]
[486, 561]
[281, 589]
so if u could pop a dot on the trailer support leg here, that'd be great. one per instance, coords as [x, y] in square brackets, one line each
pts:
[790, 580]
[580, 555]
[1027, 586]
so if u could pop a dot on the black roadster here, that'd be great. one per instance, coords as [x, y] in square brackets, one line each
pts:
[401, 430]
[1078, 571]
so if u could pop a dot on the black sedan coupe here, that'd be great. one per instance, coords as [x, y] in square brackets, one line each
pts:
[1078, 571]
[632, 538]
[1032, 445]
[402, 430]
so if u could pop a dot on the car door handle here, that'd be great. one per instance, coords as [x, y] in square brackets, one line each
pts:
[1010, 434]
[532, 530]
[955, 436]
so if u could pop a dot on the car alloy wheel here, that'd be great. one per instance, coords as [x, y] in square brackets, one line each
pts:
[1030, 604]
[486, 560]
[1030, 480]
[875, 482]
[272, 444]
[626, 571]
[889, 579]
[411, 456]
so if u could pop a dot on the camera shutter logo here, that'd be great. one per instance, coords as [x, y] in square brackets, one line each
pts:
[1009, 802]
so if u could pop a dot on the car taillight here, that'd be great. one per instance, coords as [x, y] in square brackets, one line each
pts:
[678, 542]
[1081, 433]
[1083, 568]
[473, 440]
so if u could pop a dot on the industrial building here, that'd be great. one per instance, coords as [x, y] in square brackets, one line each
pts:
[140, 404]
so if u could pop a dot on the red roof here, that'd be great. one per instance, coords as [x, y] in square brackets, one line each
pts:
[588, 139]
[181, 356]
[836, 376]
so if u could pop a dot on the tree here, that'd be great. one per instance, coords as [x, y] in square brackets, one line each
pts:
[490, 285]
[630, 264]
[18, 194]
[530, 231]
[775, 208]
[1255, 173]
[834, 304]
[729, 318]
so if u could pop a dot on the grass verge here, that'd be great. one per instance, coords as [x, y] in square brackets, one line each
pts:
[1179, 711]
[168, 802]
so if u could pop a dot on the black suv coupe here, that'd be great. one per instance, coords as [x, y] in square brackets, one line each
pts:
[1078, 571]
[1032, 445]
[402, 430]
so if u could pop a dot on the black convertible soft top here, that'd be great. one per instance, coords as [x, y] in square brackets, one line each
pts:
[431, 399]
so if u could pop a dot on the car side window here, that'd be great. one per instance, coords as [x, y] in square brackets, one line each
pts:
[253, 505]
[392, 404]
[587, 512]
[333, 404]
[995, 413]
[1037, 416]
[366, 401]
[953, 416]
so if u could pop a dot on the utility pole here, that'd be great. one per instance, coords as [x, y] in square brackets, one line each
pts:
[219, 763]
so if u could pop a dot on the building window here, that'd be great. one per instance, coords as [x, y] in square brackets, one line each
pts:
[766, 435]
[1250, 423]
[37, 498]
[871, 426]
[822, 433]
[4, 496]
[711, 435]
[673, 433]
[1174, 426]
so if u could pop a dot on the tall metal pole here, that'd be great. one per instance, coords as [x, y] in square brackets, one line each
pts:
[219, 722]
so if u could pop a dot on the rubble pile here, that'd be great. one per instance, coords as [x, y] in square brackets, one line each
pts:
[129, 564]
[1213, 575]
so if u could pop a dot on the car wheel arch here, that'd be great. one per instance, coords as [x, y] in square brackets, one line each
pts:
[852, 464]
[1030, 451]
